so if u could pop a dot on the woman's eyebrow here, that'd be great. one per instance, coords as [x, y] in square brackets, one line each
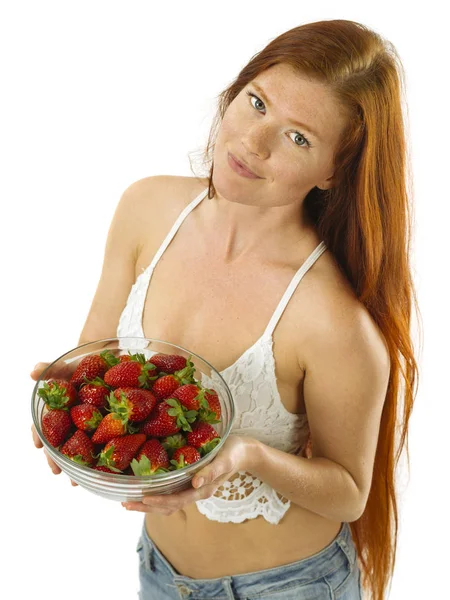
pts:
[266, 99]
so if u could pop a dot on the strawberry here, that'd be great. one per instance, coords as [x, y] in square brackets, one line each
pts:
[169, 363]
[210, 410]
[79, 448]
[110, 426]
[165, 385]
[56, 426]
[135, 404]
[124, 358]
[131, 373]
[172, 442]
[95, 393]
[105, 469]
[188, 395]
[185, 456]
[168, 417]
[58, 393]
[203, 437]
[120, 451]
[152, 459]
[86, 417]
[93, 366]
[205, 401]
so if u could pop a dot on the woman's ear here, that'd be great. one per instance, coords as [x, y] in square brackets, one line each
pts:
[327, 184]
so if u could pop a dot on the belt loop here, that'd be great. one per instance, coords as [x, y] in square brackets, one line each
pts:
[149, 556]
[226, 582]
[349, 553]
[152, 558]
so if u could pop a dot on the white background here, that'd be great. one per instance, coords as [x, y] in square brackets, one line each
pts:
[96, 95]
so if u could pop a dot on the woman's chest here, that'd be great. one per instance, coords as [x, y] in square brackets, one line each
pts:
[220, 313]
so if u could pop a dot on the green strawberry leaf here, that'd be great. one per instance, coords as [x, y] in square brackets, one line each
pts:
[206, 448]
[79, 460]
[94, 421]
[144, 380]
[138, 357]
[109, 358]
[172, 402]
[191, 415]
[132, 428]
[141, 467]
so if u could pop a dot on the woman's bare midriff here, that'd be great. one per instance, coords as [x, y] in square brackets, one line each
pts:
[195, 545]
[200, 548]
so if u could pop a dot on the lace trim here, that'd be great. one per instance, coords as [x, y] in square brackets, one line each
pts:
[244, 497]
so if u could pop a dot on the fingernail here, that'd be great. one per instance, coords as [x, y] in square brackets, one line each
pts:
[199, 482]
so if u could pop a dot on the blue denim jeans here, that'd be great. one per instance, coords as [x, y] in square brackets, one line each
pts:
[331, 574]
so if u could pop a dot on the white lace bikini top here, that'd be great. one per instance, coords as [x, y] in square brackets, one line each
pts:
[259, 411]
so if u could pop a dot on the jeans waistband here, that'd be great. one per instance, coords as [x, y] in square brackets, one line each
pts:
[329, 559]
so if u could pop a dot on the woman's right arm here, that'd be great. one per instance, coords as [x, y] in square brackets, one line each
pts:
[129, 228]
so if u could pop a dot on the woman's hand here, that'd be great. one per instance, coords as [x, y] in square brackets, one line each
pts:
[235, 455]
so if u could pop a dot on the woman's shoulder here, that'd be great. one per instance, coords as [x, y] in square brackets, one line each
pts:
[159, 200]
[168, 193]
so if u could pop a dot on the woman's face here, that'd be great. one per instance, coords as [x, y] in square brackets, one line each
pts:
[290, 159]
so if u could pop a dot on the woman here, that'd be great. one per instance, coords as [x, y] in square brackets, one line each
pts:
[303, 242]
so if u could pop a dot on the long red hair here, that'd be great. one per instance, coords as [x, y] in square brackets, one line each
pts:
[365, 221]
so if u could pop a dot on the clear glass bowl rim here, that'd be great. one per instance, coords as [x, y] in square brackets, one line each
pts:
[134, 479]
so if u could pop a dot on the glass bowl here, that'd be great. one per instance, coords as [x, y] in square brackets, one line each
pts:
[121, 487]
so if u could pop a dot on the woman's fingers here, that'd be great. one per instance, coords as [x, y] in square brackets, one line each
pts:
[53, 466]
[61, 371]
[36, 438]
[38, 369]
[37, 442]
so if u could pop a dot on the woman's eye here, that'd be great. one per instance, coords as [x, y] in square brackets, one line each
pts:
[295, 133]
[255, 97]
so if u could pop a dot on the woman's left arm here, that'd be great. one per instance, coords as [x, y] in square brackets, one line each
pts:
[347, 376]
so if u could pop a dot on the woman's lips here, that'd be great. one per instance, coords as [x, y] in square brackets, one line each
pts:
[240, 169]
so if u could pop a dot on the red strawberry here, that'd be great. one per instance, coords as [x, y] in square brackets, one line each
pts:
[95, 392]
[168, 417]
[56, 426]
[110, 426]
[120, 451]
[188, 395]
[86, 417]
[79, 448]
[92, 366]
[165, 385]
[58, 393]
[135, 404]
[169, 363]
[204, 400]
[173, 442]
[210, 410]
[203, 437]
[152, 458]
[105, 469]
[131, 373]
[185, 456]
[124, 358]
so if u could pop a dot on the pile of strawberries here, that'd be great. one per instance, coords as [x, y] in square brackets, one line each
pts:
[131, 415]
